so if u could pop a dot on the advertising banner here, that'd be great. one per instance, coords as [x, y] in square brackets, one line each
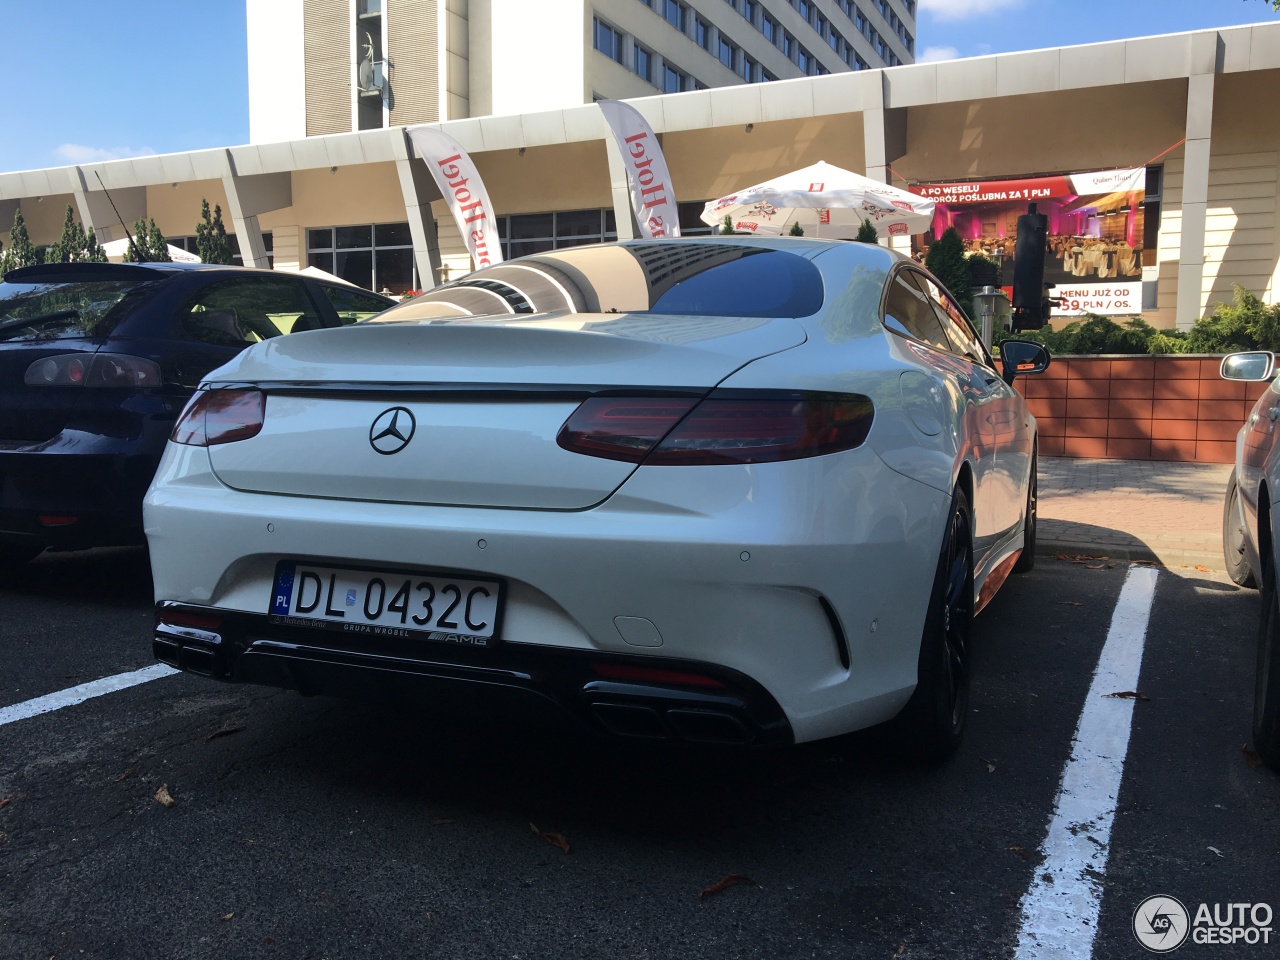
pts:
[459, 181]
[1093, 256]
[653, 198]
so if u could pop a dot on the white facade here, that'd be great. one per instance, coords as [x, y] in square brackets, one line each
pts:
[455, 59]
[277, 93]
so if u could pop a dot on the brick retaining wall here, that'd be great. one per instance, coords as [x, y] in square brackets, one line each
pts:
[1139, 408]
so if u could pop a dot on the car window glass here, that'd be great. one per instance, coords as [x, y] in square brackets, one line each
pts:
[236, 313]
[909, 311]
[353, 304]
[959, 330]
[58, 309]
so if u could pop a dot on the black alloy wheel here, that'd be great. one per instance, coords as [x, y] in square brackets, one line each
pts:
[1027, 559]
[935, 717]
[1266, 691]
[1233, 555]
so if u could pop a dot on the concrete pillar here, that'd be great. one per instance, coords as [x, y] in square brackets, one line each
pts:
[884, 135]
[109, 214]
[419, 189]
[1205, 60]
[249, 196]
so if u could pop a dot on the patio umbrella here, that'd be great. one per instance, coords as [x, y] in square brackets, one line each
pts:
[826, 201]
[117, 249]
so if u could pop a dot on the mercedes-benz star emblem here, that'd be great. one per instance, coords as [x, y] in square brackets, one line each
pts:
[392, 430]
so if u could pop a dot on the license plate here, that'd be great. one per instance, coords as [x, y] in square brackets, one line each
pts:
[383, 603]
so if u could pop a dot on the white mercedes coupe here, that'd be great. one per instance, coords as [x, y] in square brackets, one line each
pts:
[728, 490]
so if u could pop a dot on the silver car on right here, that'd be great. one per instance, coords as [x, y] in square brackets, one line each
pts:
[1251, 535]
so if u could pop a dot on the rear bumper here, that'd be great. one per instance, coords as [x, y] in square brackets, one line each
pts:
[810, 578]
[245, 648]
[73, 500]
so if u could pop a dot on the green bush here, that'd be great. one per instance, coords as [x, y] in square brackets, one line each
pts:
[1245, 324]
[946, 261]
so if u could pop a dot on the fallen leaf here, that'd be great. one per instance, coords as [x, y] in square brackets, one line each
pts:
[1128, 695]
[991, 765]
[1111, 566]
[4, 837]
[724, 883]
[1019, 851]
[555, 839]
[268, 939]
[901, 950]
[1070, 603]
[1215, 850]
[1202, 568]
[225, 732]
[1251, 756]
[441, 821]
[6, 801]
[227, 916]
[128, 773]
[1090, 566]
[164, 797]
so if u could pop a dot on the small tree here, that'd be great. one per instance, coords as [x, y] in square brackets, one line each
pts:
[796, 230]
[22, 252]
[157, 246]
[211, 236]
[726, 227]
[93, 253]
[70, 245]
[946, 261]
[867, 232]
[138, 250]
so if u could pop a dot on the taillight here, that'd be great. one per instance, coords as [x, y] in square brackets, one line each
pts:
[96, 370]
[759, 427]
[220, 416]
[622, 428]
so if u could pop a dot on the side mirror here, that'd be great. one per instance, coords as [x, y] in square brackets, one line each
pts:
[1019, 357]
[1256, 366]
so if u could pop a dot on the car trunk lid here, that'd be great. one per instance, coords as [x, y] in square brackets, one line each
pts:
[466, 412]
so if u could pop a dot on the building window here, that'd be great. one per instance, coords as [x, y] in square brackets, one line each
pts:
[749, 10]
[523, 234]
[608, 40]
[369, 65]
[374, 256]
[728, 52]
[642, 62]
[747, 70]
[788, 46]
[703, 34]
[769, 27]
[673, 80]
[674, 12]
[803, 60]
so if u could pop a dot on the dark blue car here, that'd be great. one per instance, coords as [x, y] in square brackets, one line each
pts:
[96, 362]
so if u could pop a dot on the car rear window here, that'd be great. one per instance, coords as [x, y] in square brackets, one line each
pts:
[686, 279]
[52, 311]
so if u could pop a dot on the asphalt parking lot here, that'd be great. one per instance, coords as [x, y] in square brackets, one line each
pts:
[320, 828]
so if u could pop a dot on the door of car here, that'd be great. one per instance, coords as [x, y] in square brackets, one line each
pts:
[1004, 421]
[227, 316]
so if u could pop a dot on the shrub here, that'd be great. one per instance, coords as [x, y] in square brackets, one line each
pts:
[946, 261]
[1245, 324]
[867, 232]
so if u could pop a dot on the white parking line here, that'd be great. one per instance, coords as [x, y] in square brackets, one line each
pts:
[85, 691]
[1060, 909]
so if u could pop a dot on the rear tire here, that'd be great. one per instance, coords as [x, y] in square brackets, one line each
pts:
[1027, 559]
[1266, 691]
[934, 719]
[1233, 552]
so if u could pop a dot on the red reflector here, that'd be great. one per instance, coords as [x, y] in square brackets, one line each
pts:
[182, 618]
[624, 671]
[220, 416]
[57, 520]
